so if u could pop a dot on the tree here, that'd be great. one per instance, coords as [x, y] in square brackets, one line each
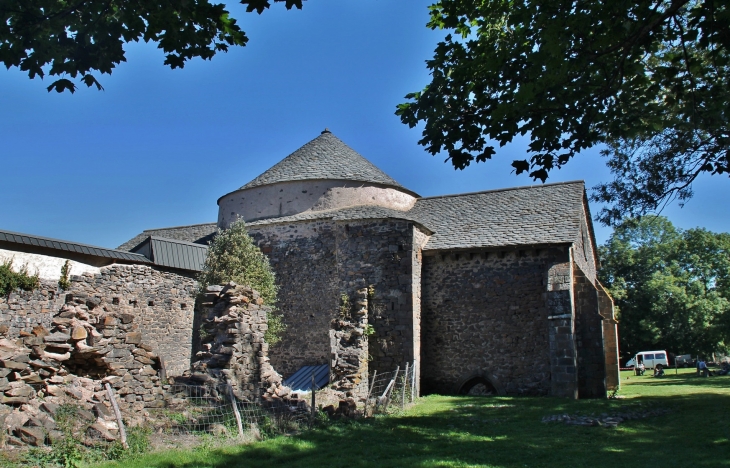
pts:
[80, 38]
[671, 287]
[649, 79]
[233, 256]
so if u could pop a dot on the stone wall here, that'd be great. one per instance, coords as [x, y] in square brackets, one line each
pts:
[610, 339]
[485, 314]
[233, 348]
[303, 256]
[583, 248]
[349, 347]
[561, 324]
[24, 310]
[316, 262]
[589, 338]
[161, 302]
[380, 253]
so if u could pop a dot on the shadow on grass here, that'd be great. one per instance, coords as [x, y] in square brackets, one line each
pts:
[719, 381]
[498, 432]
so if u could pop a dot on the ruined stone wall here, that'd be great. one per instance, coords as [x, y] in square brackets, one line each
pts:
[380, 253]
[589, 338]
[486, 314]
[161, 303]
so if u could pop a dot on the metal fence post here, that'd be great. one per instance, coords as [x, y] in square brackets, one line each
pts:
[405, 386]
[413, 380]
[314, 401]
[367, 398]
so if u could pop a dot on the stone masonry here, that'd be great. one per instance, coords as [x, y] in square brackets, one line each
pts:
[485, 314]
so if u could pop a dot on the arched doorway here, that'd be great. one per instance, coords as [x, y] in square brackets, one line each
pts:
[478, 386]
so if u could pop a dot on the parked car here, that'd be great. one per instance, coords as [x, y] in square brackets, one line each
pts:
[650, 359]
[685, 360]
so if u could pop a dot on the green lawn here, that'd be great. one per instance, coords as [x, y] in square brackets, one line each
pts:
[506, 432]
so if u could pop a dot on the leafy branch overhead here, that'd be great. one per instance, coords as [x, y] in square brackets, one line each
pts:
[80, 39]
[649, 79]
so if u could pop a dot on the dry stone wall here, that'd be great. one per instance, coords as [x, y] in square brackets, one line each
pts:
[86, 347]
[485, 314]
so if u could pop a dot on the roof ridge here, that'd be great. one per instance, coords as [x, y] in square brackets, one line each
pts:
[51, 239]
[507, 189]
[177, 241]
[178, 227]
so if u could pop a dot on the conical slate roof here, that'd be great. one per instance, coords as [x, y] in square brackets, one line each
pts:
[325, 157]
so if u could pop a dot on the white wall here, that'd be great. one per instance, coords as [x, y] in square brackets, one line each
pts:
[47, 267]
[290, 198]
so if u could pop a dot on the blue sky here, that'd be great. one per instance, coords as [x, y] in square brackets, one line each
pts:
[159, 146]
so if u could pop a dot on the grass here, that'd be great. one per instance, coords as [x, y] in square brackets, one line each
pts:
[504, 432]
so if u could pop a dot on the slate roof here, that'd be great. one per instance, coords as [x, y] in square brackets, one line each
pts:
[325, 157]
[12, 239]
[340, 214]
[173, 253]
[195, 233]
[531, 215]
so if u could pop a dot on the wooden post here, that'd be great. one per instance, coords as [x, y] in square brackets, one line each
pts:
[405, 385]
[163, 371]
[391, 384]
[118, 414]
[235, 411]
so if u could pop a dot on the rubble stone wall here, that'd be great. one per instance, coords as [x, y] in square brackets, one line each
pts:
[162, 303]
[233, 348]
[486, 314]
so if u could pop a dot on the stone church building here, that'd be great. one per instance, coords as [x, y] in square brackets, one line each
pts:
[496, 288]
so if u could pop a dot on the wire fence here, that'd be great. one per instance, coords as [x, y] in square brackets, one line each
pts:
[391, 391]
[214, 410]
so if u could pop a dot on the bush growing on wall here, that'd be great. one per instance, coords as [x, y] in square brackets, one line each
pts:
[11, 280]
[232, 256]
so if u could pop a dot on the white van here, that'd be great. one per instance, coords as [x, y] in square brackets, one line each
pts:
[650, 359]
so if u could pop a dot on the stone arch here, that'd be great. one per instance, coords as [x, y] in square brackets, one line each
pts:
[469, 381]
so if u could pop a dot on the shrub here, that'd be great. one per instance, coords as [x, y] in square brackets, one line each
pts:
[63, 281]
[232, 256]
[11, 280]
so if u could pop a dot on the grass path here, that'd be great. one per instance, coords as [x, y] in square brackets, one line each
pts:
[505, 432]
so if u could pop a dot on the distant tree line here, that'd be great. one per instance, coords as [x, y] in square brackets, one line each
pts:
[671, 287]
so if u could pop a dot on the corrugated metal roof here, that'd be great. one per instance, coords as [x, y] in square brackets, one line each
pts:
[66, 246]
[174, 253]
[301, 381]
